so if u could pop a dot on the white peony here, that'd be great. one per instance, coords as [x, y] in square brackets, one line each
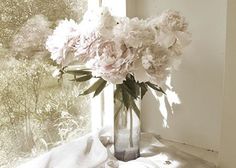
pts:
[99, 21]
[170, 27]
[59, 43]
[116, 46]
[112, 61]
[156, 61]
[134, 32]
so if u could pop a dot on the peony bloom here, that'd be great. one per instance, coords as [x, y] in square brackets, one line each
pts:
[97, 24]
[98, 21]
[173, 21]
[156, 62]
[113, 47]
[61, 41]
[84, 47]
[112, 61]
[171, 28]
[133, 32]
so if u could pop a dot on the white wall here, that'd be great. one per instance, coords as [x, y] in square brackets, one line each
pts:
[228, 136]
[199, 80]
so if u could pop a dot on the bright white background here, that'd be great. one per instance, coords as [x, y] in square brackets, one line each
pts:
[207, 116]
[199, 80]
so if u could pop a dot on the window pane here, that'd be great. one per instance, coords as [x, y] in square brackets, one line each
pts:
[36, 111]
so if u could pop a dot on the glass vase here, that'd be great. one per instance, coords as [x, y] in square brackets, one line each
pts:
[126, 132]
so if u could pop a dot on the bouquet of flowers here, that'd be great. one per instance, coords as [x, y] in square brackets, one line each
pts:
[133, 54]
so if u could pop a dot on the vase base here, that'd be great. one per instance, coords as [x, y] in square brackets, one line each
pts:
[127, 155]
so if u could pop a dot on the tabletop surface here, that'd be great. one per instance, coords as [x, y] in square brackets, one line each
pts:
[89, 152]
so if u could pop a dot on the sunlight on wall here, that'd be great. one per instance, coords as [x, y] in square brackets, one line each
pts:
[167, 101]
[162, 107]
[172, 96]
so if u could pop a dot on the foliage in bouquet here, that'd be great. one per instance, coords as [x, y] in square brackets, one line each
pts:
[133, 54]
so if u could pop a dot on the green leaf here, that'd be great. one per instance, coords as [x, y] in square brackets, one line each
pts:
[94, 87]
[83, 78]
[155, 87]
[78, 72]
[135, 108]
[100, 88]
[132, 92]
[144, 89]
[132, 85]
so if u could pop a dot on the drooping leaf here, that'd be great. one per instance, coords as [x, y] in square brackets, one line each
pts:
[132, 92]
[78, 72]
[93, 87]
[155, 87]
[83, 78]
[144, 89]
[133, 86]
[100, 88]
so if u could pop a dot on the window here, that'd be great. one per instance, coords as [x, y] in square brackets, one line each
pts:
[36, 112]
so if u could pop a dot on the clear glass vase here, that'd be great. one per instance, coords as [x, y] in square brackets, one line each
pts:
[126, 132]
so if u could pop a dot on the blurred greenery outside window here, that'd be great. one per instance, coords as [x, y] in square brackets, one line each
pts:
[36, 111]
